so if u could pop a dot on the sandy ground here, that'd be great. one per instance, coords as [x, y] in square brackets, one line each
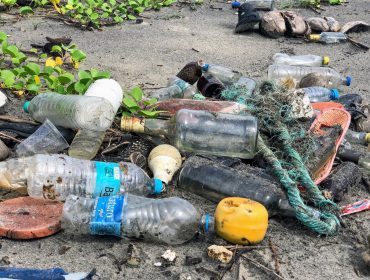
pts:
[147, 54]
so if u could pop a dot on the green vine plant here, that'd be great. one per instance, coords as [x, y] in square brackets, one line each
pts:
[22, 74]
[134, 104]
[92, 14]
[284, 4]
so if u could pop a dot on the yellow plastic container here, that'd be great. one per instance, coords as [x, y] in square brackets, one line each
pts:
[241, 220]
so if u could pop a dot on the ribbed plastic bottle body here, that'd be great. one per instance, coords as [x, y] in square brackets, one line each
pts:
[216, 134]
[72, 111]
[262, 4]
[298, 60]
[332, 37]
[278, 72]
[224, 74]
[356, 137]
[318, 94]
[247, 83]
[169, 220]
[188, 90]
[57, 176]
[13, 173]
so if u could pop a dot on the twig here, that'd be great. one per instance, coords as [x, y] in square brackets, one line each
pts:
[112, 149]
[235, 247]
[262, 266]
[16, 120]
[195, 50]
[358, 44]
[10, 137]
[275, 257]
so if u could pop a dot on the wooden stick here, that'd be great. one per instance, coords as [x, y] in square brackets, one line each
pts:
[262, 266]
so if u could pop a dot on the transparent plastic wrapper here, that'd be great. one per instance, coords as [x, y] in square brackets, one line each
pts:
[45, 140]
[168, 220]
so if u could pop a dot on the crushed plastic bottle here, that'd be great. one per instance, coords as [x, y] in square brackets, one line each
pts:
[258, 4]
[279, 72]
[328, 37]
[57, 176]
[224, 74]
[168, 220]
[321, 94]
[354, 137]
[177, 88]
[300, 60]
[86, 143]
[71, 111]
[202, 132]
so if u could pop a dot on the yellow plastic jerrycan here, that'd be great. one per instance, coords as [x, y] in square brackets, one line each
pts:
[241, 220]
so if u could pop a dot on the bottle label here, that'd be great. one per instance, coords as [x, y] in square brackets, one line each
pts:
[107, 179]
[107, 215]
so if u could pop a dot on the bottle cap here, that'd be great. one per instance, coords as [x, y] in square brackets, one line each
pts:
[325, 60]
[348, 80]
[26, 106]
[205, 67]
[235, 4]
[367, 137]
[314, 37]
[334, 94]
[158, 186]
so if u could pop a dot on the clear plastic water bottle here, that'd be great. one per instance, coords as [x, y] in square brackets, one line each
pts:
[329, 37]
[71, 111]
[300, 60]
[354, 137]
[248, 84]
[86, 143]
[224, 74]
[321, 94]
[278, 72]
[258, 4]
[168, 220]
[176, 88]
[57, 176]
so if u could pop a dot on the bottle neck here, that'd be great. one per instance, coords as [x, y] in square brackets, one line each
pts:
[154, 127]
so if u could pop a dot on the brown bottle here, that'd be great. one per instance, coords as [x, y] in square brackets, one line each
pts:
[191, 72]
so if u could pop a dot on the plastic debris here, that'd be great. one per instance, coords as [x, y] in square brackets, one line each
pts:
[220, 253]
[37, 274]
[169, 256]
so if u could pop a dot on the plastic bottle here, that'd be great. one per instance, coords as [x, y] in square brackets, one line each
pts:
[300, 60]
[321, 94]
[278, 72]
[169, 220]
[224, 74]
[86, 143]
[258, 4]
[328, 37]
[354, 137]
[72, 111]
[177, 88]
[57, 176]
[247, 83]
[202, 132]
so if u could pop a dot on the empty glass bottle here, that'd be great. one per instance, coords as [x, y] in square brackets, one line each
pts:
[224, 74]
[278, 72]
[258, 4]
[300, 60]
[354, 137]
[328, 37]
[168, 220]
[57, 176]
[202, 132]
[177, 88]
[321, 94]
[71, 111]
[86, 143]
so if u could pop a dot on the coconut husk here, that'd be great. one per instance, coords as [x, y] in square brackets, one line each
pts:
[273, 24]
[355, 26]
[312, 80]
[295, 24]
[334, 25]
[318, 24]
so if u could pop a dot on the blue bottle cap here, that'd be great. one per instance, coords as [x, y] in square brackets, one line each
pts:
[158, 186]
[25, 106]
[334, 94]
[206, 223]
[348, 80]
[235, 4]
[205, 67]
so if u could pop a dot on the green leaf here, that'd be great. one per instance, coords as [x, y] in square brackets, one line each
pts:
[33, 88]
[43, 56]
[94, 16]
[32, 68]
[56, 49]
[102, 75]
[80, 87]
[78, 55]
[8, 77]
[130, 103]
[84, 76]
[147, 113]
[126, 114]
[18, 85]
[131, 17]
[66, 78]
[3, 37]
[139, 10]
[12, 50]
[25, 10]
[60, 89]
[150, 101]
[137, 93]
[48, 70]
[21, 57]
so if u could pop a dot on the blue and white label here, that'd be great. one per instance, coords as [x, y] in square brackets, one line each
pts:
[107, 179]
[107, 215]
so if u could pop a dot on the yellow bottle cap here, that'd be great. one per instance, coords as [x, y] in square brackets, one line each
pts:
[325, 60]
[314, 37]
[367, 137]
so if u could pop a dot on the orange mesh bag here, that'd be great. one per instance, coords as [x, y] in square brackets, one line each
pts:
[328, 117]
